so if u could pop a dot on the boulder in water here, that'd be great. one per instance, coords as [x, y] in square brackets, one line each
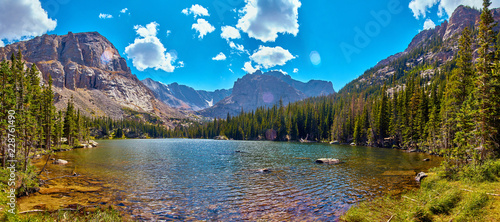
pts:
[328, 161]
[60, 162]
[420, 176]
[264, 170]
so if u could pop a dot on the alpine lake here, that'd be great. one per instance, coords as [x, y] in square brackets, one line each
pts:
[192, 179]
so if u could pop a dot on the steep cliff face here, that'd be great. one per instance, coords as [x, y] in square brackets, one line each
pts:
[434, 46]
[310, 89]
[265, 89]
[88, 66]
[185, 97]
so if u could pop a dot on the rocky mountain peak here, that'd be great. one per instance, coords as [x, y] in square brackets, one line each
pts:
[462, 17]
[264, 90]
[88, 66]
[447, 32]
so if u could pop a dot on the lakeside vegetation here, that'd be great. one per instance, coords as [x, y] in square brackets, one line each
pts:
[473, 194]
[31, 126]
[455, 113]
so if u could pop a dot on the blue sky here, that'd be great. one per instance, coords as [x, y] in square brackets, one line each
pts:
[183, 41]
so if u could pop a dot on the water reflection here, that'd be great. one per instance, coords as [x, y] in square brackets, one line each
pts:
[175, 179]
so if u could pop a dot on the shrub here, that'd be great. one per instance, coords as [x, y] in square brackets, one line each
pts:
[488, 171]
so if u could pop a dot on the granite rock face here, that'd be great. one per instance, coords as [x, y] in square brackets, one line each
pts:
[87, 66]
[433, 46]
[185, 97]
[265, 90]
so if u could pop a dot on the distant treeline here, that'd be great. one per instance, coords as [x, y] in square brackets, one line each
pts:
[454, 110]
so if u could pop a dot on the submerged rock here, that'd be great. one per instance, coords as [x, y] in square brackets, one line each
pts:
[420, 176]
[264, 170]
[60, 162]
[328, 161]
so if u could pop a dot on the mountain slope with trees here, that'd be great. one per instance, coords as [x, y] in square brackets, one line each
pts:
[87, 67]
[418, 100]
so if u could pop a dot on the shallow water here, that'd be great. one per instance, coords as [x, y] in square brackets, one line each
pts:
[180, 179]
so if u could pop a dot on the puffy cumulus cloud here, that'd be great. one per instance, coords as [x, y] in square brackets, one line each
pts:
[264, 19]
[295, 70]
[20, 19]
[2, 44]
[429, 24]
[105, 16]
[219, 57]
[269, 57]
[229, 32]
[248, 68]
[124, 10]
[202, 27]
[148, 52]
[196, 10]
[420, 8]
[149, 31]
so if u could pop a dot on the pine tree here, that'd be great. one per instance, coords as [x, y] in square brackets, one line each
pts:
[382, 124]
[486, 98]
[69, 123]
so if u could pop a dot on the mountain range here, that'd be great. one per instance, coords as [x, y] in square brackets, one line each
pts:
[89, 69]
[248, 93]
[185, 97]
[264, 90]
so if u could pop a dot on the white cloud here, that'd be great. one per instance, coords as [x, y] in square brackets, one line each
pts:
[2, 44]
[269, 57]
[449, 6]
[202, 27]
[21, 19]
[264, 19]
[420, 8]
[429, 24]
[105, 16]
[148, 31]
[148, 52]
[196, 10]
[229, 32]
[239, 48]
[279, 70]
[124, 10]
[219, 57]
[249, 68]
[168, 33]
[295, 70]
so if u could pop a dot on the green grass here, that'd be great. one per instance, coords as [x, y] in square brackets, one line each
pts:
[463, 196]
